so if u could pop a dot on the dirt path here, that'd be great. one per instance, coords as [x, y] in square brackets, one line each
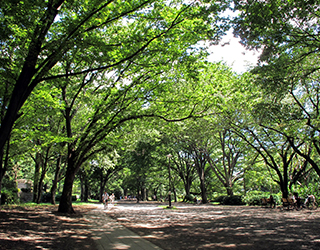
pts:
[187, 227]
[221, 227]
[43, 228]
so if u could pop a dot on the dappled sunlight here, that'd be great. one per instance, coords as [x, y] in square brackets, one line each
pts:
[120, 246]
[186, 227]
[221, 227]
[43, 228]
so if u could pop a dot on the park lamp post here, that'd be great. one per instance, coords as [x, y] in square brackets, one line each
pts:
[169, 193]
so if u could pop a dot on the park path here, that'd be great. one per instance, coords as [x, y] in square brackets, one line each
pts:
[109, 234]
[207, 226]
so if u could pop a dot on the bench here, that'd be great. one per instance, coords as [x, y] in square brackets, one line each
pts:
[288, 202]
[268, 201]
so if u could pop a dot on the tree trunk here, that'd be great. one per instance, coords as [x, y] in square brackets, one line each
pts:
[143, 194]
[229, 191]
[200, 169]
[39, 191]
[1, 177]
[36, 177]
[55, 180]
[84, 190]
[53, 191]
[101, 185]
[3, 165]
[175, 194]
[40, 186]
[203, 188]
[65, 205]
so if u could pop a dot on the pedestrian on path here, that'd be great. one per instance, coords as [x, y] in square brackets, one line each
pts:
[105, 198]
[112, 198]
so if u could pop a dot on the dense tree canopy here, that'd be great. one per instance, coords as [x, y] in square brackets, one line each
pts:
[120, 92]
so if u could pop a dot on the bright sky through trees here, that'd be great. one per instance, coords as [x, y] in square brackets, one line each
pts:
[230, 51]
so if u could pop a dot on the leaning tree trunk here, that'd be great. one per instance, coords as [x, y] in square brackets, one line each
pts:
[65, 205]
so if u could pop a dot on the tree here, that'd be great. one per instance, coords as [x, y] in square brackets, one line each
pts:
[287, 31]
[225, 158]
[35, 39]
[184, 167]
[279, 27]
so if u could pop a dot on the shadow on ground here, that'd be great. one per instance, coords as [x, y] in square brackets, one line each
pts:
[38, 228]
[222, 227]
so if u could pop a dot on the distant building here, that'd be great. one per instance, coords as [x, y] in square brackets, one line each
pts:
[25, 187]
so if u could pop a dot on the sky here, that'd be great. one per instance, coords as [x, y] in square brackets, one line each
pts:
[233, 54]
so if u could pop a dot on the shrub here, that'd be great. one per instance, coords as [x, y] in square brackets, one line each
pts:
[229, 200]
[253, 198]
[46, 197]
[233, 200]
[9, 196]
[219, 199]
[189, 197]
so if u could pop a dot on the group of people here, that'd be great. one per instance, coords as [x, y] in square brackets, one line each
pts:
[106, 198]
[297, 201]
[300, 202]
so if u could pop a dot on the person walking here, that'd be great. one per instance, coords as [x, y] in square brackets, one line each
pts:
[105, 198]
[112, 198]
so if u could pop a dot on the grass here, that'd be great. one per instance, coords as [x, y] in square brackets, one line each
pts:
[167, 207]
[33, 204]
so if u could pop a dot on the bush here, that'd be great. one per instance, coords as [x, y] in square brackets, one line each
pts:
[9, 191]
[9, 196]
[46, 197]
[233, 200]
[229, 200]
[189, 197]
[253, 198]
[219, 199]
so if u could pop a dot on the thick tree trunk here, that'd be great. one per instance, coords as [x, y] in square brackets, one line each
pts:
[187, 186]
[201, 174]
[84, 189]
[65, 205]
[229, 187]
[203, 189]
[39, 192]
[229, 191]
[53, 191]
[143, 194]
